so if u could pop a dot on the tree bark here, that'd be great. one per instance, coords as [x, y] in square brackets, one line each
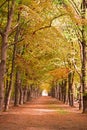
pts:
[9, 90]
[64, 90]
[28, 95]
[4, 52]
[21, 96]
[17, 89]
[25, 95]
[7, 101]
[70, 88]
[84, 58]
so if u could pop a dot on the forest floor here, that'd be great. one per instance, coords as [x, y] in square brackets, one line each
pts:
[43, 113]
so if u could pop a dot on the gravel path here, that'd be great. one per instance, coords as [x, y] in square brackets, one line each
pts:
[44, 113]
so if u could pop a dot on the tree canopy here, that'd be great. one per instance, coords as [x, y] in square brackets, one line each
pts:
[42, 41]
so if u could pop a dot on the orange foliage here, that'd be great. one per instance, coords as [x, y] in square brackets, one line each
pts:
[60, 73]
[74, 16]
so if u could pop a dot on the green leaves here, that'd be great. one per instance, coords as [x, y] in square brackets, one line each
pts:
[18, 1]
[58, 1]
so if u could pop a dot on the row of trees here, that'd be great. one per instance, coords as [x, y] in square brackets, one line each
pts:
[66, 91]
[76, 11]
[37, 38]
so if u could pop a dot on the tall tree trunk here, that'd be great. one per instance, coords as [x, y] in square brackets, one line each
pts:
[80, 98]
[25, 94]
[17, 89]
[59, 92]
[70, 88]
[1, 85]
[64, 90]
[7, 101]
[4, 53]
[84, 59]
[9, 90]
[55, 91]
[21, 96]
[28, 94]
[84, 78]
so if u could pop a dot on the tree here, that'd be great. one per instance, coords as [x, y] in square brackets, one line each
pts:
[84, 57]
[4, 38]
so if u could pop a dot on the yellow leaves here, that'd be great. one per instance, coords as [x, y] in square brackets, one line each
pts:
[29, 13]
[23, 9]
[60, 73]
[46, 4]
[59, 34]
[22, 64]
[35, 9]
[45, 39]
[74, 16]
[45, 86]
[41, 4]
[82, 21]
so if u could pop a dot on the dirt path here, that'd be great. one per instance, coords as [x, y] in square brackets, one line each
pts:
[44, 113]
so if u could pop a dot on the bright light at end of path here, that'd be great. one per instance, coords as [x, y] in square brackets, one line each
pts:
[44, 93]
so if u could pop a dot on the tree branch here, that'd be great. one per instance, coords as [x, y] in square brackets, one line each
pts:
[13, 29]
[17, 25]
[77, 31]
[3, 3]
[15, 42]
[48, 26]
[75, 7]
[8, 25]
